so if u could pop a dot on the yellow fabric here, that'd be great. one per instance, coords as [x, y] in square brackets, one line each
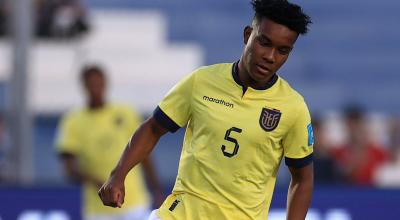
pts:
[211, 185]
[97, 138]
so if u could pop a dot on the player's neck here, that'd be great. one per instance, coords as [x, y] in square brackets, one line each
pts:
[246, 80]
[96, 104]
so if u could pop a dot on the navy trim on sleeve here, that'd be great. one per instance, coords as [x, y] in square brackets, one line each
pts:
[300, 162]
[164, 120]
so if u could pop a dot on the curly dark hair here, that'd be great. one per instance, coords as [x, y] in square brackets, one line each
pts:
[282, 12]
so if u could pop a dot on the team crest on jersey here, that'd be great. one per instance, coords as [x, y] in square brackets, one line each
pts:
[269, 119]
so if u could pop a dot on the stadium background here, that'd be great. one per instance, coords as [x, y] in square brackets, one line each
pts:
[350, 56]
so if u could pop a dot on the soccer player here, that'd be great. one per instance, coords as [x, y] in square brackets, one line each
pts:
[90, 142]
[241, 119]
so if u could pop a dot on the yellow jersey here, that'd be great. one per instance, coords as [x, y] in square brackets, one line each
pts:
[97, 138]
[234, 142]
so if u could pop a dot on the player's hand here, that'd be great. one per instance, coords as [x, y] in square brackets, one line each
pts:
[112, 193]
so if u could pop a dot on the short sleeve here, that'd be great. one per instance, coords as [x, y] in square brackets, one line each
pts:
[174, 111]
[67, 139]
[299, 141]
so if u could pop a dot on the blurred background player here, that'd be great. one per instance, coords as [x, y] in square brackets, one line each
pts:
[91, 140]
[4, 149]
[388, 175]
[325, 167]
[360, 156]
[60, 19]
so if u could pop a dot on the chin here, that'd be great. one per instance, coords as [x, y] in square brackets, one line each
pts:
[260, 77]
[257, 78]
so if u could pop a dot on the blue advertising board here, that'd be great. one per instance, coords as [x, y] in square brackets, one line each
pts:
[345, 203]
[44, 203]
[329, 203]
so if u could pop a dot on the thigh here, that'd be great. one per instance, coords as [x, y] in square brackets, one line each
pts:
[100, 217]
[138, 213]
[153, 215]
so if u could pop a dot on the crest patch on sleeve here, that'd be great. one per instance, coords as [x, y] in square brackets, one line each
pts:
[310, 135]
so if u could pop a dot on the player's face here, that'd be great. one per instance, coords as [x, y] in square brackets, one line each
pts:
[95, 86]
[268, 45]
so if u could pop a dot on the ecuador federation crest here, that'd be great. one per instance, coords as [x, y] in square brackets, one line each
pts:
[269, 119]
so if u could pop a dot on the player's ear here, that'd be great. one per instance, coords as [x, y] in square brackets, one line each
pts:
[246, 34]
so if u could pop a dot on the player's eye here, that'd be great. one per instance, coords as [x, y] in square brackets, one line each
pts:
[284, 51]
[264, 42]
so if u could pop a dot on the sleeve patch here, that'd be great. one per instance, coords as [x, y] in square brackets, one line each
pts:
[310, 135]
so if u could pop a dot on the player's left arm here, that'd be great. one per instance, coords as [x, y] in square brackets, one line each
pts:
[300, 192]
[298, 151]
[148, 166]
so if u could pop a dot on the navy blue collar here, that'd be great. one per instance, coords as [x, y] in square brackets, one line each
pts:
[235, 74]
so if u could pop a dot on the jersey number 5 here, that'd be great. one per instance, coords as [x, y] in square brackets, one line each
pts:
[233, 140]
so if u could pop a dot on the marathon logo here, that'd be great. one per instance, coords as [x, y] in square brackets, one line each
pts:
[218, 101]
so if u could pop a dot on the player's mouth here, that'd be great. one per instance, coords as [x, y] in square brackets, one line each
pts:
[263, 69]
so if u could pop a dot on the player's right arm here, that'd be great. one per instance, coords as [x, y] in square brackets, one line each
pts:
[112, 193]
